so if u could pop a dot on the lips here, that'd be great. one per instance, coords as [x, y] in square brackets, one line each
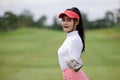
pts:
[66, 26]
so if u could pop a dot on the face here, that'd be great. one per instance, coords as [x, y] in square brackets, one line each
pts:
[68, 24]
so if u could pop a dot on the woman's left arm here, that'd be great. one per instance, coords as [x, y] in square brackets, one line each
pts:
[74, 60]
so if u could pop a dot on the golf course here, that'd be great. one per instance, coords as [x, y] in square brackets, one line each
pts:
[31, 54]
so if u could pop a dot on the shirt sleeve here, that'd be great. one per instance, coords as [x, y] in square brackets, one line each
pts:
[75, 49]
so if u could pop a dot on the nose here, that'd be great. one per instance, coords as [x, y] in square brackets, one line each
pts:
[65, 22]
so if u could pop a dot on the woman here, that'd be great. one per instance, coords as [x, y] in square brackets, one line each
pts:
[70, 51]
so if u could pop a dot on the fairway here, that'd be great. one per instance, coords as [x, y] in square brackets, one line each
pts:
[31, 54]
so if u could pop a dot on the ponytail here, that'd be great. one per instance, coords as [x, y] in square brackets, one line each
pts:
[81, 32]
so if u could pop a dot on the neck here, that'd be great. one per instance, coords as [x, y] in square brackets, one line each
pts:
[71, 31]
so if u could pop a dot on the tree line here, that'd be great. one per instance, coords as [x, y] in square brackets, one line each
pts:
[10, 21]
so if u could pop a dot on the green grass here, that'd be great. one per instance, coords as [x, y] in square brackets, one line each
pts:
[31, 54]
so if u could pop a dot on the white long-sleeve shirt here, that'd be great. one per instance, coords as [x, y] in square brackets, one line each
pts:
[71, 48]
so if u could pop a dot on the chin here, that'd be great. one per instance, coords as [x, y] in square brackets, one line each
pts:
[65, 30]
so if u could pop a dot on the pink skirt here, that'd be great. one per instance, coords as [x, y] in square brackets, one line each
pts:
[69, 74]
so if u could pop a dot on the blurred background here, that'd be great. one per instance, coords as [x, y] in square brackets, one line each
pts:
[31, 33]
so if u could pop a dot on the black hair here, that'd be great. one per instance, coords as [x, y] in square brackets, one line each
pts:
[80, 26]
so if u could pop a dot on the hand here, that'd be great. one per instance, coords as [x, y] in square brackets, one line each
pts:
[72, 63]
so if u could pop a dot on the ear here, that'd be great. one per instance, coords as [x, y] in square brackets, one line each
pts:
[76, 22]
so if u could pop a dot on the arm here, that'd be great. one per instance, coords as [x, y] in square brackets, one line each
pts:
[74, 60]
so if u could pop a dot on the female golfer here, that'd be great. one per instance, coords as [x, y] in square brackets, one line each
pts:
[70, 51]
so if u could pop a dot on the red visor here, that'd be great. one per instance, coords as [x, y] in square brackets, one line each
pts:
[70, 14]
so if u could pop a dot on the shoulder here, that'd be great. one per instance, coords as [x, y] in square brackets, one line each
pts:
[76, 41]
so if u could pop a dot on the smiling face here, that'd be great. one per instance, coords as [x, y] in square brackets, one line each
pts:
[68, 24]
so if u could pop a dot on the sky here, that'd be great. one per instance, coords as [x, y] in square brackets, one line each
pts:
[94, 9]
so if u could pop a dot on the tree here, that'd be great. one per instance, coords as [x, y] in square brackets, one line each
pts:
[8, 21]
[56, 24]
[41, 22]
[86, 23]
[109, 18]
[25, 19]
[118, 17]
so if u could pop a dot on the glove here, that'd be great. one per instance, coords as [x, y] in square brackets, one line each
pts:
[74, 64]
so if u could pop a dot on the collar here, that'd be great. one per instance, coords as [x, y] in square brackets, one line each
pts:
[72, 33]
